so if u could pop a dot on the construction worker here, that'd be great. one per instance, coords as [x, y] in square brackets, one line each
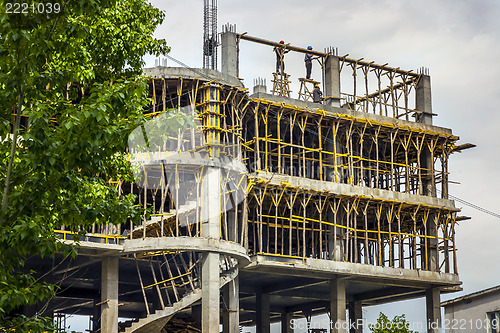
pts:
[317, 94]
[280, 55]
[308, 61]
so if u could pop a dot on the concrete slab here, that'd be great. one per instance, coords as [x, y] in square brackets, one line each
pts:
[352, 190]
[332, 110]
[192, 73]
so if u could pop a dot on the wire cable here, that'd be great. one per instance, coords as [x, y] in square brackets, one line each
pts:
[476, 207]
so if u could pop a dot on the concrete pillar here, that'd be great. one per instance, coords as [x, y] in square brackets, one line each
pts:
[210, 292]
[229, 52]
[424, 104]
[210, 260]
[338, 306]
[96, 316]
[286, 322]
[109, 295]
[355, 317]
[423, 100]
[196, 313]
[433, 303]
[211, 215]
[332, 81]
[259, 86]
[231, 315]
[263, 320]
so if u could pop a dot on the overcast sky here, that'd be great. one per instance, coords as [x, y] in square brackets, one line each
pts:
[459, 41]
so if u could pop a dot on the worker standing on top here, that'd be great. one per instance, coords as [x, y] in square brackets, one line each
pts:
[308, 61]
[317, 94]
[280, 55]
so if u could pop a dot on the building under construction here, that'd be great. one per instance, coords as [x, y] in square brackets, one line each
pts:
[269, 208]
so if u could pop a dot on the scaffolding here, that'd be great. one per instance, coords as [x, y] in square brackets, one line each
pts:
[305, 93]
[309, 194]
[282, 145]
[281, 84]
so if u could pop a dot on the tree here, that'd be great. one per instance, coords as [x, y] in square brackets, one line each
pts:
[399, 324]
[70, 95]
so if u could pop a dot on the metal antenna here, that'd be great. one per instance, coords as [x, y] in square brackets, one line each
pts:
[210, 35]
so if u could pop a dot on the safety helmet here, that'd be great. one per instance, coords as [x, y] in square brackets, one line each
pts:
[282, 42]
[309, 47]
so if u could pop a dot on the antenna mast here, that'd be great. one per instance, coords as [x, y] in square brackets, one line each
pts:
[210, 35]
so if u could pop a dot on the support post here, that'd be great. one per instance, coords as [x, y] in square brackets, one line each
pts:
[432, 297]
[263, 319]
[286, 322]
[96, 316]
[210, 260]
[211, 216]
[424, 104]
[423, 100]
[229, 51]
[338, 306]
[210, 292]
[355, 317]
[231, 315]
[332, 80]
[109, 295]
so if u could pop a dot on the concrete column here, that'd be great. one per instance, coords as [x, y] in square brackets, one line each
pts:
[263, 320]
[259, 86]
[96, 316]
[332, 81]
[355, 317]
[210, 311]
[424, 104]
[231, 315]
[210, 292]
[229, 53]
[433, 303]
[423, 100]
[211, 215]
[286, 322]
[338, 306]
[196, 313]
[109, 295]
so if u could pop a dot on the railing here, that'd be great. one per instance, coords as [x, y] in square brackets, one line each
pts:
[89, 237]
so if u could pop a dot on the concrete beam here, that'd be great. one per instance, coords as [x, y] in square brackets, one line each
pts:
[352, 190]
[199, 244]
[191, 73]
[319, 268]
[305, 294]
[333, 112]
[292, 285]
[384, 293]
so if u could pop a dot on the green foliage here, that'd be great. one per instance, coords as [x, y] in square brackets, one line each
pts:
[74, 77]
[398, 324]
